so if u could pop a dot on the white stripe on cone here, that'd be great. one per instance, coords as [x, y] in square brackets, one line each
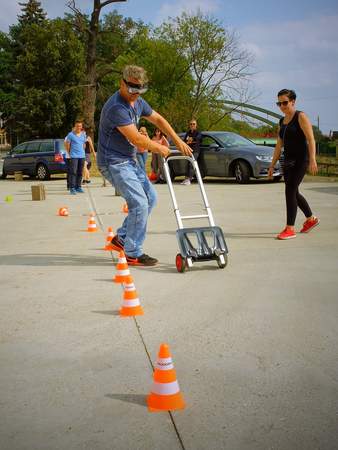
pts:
[165, 388]
[164, 363]
[131, 303]
[123, 272]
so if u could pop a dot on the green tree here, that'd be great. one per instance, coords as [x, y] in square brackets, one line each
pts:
[48, 64]
[170, 83]
[92, 30]
[32, 12]
[214, 58]
[7, 95]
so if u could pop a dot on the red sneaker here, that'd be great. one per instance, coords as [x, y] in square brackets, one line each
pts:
[309, 224]
[286, 234]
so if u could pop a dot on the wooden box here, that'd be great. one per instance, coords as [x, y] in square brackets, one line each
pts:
[38, 192]
[18, 176]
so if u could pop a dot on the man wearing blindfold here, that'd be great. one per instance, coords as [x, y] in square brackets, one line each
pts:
[116, 157]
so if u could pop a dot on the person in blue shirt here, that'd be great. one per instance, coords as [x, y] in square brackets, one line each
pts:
[75, 146]
[116, 158]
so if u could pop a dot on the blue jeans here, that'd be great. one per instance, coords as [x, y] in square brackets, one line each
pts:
[142, 159]
[75, 175]
[133, 184]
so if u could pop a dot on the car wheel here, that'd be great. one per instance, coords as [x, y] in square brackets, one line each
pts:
[278, 178]
[42, 172]
[242, 172]
[3, 175]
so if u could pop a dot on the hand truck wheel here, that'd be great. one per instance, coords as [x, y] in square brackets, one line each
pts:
[222, 261]
[181, 263]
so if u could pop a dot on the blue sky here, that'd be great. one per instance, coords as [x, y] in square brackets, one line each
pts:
[294, 43]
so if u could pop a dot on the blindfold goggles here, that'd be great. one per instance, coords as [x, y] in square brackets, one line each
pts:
[134, 88]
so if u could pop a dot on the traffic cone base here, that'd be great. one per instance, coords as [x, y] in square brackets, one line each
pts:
[130, 311]
[165, 402]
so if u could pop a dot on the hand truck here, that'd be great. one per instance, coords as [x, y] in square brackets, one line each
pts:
[196, 243]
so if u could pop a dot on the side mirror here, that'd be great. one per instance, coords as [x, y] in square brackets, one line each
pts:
[214, 146]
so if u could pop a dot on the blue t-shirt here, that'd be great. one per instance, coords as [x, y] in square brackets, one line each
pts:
[76, 144]
[113, 147]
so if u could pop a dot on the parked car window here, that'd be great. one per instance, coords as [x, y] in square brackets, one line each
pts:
[47, 146]
[61, 145]
[234, 140]
[19, 149]
[207, 141]
[32, 147]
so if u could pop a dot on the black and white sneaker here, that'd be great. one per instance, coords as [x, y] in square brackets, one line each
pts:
[116, 244]
[143, 260]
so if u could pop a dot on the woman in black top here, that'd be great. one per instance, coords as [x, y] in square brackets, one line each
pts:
[295, 134]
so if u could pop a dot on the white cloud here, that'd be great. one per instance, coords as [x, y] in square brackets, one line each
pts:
[177, 7]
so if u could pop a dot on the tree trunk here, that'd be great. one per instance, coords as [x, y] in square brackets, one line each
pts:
[89, 99]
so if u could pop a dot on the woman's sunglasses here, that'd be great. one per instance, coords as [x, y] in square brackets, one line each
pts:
[134, 88]
[282, 103]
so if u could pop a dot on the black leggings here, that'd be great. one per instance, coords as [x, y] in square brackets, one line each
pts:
[293, 175]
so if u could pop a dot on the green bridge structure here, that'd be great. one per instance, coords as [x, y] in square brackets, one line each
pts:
[242, 111]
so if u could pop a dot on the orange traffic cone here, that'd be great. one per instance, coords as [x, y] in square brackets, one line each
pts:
[131, 305]
[63, 211]
[109, 237]
[165, 393]
[125, 208]
[123, 271]
[91, 224]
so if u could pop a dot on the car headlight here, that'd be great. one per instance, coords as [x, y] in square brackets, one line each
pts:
[264, 158]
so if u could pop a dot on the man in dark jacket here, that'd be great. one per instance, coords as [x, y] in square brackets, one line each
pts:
[193, 138]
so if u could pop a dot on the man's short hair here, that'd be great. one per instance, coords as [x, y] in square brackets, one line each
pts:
[136, 72]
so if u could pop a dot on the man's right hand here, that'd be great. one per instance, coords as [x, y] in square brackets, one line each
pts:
[164, 151]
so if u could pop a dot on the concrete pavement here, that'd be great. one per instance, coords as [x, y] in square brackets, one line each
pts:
[254, 345]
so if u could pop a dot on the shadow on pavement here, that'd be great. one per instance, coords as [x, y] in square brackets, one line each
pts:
[46, 259]
[107, 313]
[129, 398]
[250, 235]
[325, 190]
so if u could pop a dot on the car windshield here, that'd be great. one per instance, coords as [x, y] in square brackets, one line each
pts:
[234, 140]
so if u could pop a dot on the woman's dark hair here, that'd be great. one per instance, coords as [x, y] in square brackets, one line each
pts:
[157, 129]
[288, 92]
